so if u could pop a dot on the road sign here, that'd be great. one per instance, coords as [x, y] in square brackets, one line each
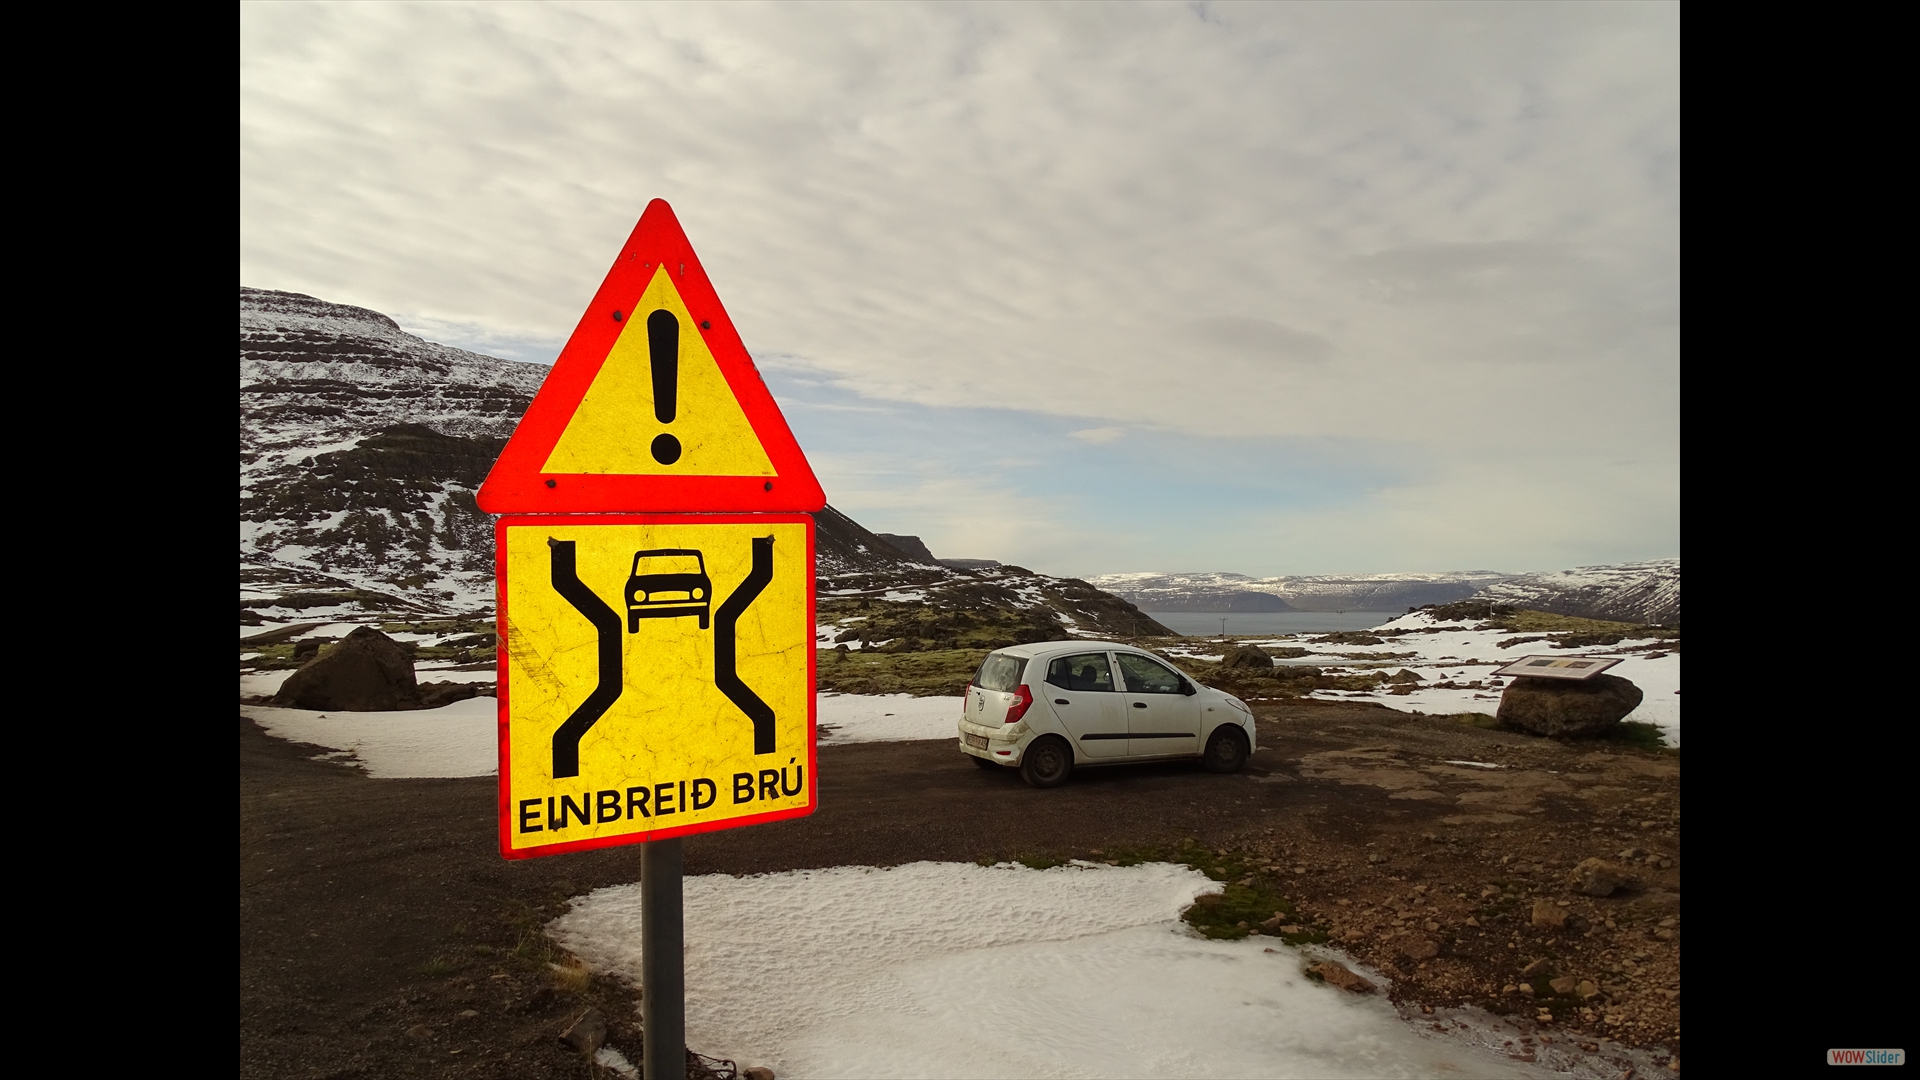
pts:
[654, 404]
[1559, 667]
[656, 676]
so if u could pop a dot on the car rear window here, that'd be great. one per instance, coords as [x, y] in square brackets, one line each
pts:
[1000, 672]
[1087, 671]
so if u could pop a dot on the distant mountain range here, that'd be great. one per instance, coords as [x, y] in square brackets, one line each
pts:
[1643, 592]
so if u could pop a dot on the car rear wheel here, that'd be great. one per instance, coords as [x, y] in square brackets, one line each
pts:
[1226, 750]
[1047, 763]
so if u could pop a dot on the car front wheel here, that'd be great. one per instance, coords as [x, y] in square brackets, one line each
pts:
[1226, 750]
[1047, 763]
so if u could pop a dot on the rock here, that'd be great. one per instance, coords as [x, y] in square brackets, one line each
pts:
[1404, 676]
[1566, 709]
[306, 650]
[1335, 974]
[419, 1031]
[367, 672]
[1539, 967]
[588, 1033]
[1297, 671]
[1564, 984]
[468, 1014]
[1548, 915]
[1663, 935]
[1598, 877]
[1587, 990]
[435, 694]
[1246, 656]
[1417, 948]
[758, 1072]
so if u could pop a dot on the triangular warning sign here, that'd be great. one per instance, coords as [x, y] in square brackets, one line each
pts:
[654, 404]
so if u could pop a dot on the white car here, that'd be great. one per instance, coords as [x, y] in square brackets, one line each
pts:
[1046, 708]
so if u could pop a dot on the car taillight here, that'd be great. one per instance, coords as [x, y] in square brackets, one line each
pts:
[1022, 700]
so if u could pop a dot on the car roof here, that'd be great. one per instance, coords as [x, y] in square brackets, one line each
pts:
[1054, 648]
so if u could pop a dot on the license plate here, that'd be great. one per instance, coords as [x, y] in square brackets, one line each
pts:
[978, 742]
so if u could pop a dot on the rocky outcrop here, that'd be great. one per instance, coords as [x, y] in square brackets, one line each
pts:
[366, 672]
[910, 546]
[1247, 656]
[1564, 708]
[1597, 877]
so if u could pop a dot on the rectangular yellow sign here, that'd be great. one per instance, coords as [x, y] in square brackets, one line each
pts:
[656, 677]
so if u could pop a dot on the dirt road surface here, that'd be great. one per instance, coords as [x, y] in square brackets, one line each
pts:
[382, 935]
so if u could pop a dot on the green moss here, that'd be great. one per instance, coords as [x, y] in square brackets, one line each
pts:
[943, 672]
[1637, 733]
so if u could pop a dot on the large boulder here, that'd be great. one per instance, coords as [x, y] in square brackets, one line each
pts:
[366, 672]
[1247, 656]
[1564, 708]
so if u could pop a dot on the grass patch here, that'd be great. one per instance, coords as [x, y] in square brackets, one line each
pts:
[1638, 734]
[1473, 719]
[917, 626]
[437, 968]
[1251, 895]
[943, 672]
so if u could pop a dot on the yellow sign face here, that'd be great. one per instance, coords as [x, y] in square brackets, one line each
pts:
[656, 677]
[659, 406]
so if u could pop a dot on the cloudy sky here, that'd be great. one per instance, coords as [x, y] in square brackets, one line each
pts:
[1276, 289]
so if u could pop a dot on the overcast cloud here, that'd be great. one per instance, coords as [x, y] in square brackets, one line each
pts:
[1269, 288]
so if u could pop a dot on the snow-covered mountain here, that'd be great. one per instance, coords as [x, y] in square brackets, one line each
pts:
[1641, 592]
[361, 447]
[1238, 592]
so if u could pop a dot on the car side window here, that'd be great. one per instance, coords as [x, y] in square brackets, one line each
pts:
[1085, 671]
[1148, 676]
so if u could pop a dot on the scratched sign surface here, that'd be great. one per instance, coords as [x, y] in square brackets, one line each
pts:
[656, 676]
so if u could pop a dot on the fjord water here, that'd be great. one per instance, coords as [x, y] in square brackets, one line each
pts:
[1207, 623]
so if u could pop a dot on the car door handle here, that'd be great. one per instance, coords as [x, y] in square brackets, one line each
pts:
[1061, 701]
[1139, 704]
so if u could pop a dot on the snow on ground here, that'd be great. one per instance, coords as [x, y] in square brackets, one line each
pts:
[1446, 652]
[886, 718]
[460, 739]
[953, 969]
[262, 683]
[268, 683]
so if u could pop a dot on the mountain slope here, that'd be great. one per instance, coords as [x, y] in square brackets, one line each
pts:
[361, 447]
[1238, 592]
[1642, 592]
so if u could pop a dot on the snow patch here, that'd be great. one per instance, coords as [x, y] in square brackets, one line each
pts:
[460, 739]
[957, 970]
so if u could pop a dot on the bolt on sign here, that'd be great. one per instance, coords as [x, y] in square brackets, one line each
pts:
[655, 571]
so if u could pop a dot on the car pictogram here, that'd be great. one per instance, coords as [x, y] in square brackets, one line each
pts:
[668, 583]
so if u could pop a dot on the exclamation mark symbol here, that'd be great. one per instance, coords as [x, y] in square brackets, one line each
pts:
[663, 346]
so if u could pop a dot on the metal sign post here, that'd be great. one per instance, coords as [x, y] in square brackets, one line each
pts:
[655, 567]
[663, 972]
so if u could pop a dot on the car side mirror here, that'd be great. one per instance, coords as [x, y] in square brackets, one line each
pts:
[1188, 688]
